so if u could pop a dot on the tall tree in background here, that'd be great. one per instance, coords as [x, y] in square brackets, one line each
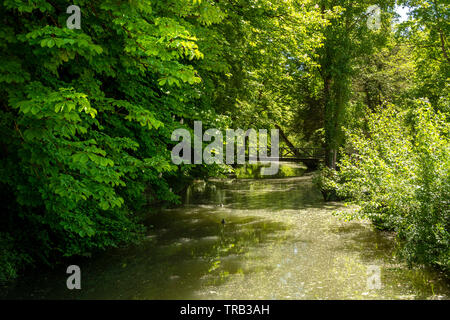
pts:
[346, 38]
[267, 43]
[427, 32]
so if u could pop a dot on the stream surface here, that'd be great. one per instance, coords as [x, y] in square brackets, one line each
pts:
[280, 240]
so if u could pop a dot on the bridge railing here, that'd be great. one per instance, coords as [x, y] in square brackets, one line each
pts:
[303, 153]
[307, 153]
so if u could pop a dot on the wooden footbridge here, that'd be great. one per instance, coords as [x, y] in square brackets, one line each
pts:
[311, 157]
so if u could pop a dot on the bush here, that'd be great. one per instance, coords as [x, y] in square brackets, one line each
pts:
[399, 175]
[329, 183]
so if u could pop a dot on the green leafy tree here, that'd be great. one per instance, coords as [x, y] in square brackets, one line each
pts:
[86, 118]
[347, 37]
[427, 32]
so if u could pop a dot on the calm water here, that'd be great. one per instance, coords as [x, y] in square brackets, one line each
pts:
[279, 241]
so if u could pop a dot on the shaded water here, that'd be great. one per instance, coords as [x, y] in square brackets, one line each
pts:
[279, 241]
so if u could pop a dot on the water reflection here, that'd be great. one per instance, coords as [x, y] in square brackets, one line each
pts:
[279, 241]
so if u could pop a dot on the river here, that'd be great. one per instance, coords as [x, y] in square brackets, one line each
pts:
[247, 239]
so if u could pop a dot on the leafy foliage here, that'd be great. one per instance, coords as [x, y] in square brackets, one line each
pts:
[86, 117]
[399, 174]
[426, 33]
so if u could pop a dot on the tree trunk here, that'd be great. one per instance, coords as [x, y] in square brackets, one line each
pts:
[330, 151]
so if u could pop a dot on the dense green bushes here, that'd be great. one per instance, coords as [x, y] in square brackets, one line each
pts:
[398, 171]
